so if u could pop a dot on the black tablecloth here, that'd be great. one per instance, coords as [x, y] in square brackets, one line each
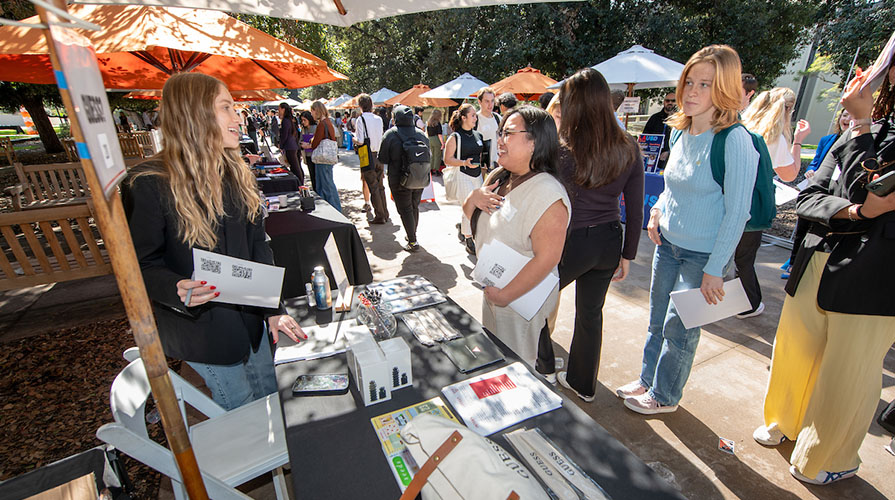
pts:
[297, 240]
[280, 184]
[335, 453]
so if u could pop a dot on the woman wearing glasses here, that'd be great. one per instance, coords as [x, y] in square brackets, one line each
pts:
[524, 206]
[838, 321]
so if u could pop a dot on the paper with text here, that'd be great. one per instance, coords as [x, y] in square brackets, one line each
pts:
[239, 281]
[498, 264]
[694, 311]
[323, 341]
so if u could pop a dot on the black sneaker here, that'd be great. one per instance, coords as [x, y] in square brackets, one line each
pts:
[470, 246]
[460, 235]
[412, 247]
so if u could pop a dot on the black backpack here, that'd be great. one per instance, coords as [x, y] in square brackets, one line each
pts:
[415, 174]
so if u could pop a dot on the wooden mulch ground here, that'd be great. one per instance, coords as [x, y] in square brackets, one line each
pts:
[54, 395]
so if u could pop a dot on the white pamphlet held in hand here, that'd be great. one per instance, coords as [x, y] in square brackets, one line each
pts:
[694, 311]
[239, 281]
[498, 264]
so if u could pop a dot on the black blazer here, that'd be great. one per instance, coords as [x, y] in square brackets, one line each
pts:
[849, 284]
[212, 333]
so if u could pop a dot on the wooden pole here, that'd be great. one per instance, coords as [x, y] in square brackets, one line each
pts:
[630, 94]
[114, 229]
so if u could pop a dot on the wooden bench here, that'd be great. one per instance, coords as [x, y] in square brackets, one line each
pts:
[130, 146]
[50, 245]
[49, 185]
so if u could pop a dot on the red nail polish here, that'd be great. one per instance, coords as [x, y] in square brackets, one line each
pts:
[204, 282]
[214, 287]
[217, 293]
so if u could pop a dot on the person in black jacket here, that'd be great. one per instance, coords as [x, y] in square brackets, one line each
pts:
[391, 152]
[198, 193]
[838, 321]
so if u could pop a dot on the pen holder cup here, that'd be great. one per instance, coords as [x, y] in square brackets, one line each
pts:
[307, 203]
[379, 319]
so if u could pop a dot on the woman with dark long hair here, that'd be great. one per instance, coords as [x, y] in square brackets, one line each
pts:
[198, 193]
[525, 207]
[463, 150]
[289, 140]
[308, 128]
[838, 321]
[598, 162]
[436, 141]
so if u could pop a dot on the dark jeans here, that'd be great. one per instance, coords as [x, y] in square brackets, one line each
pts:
[294, 165]
[407, 201]
[590, 259]
[373, 176]
[744, 259]
[312, 170]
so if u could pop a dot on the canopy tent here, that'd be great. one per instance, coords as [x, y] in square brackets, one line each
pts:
[380, 96]
[349, 104]
[527, 84]
[338, 100]
[335, 12]
[140, 47]
[459, 88]
[638, 68]
[238, 95]
[411, 97]
[292, 103]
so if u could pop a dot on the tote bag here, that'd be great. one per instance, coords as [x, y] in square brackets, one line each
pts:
[327, 152]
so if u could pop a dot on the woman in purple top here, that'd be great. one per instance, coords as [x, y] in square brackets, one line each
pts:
[289, 141]
[598, 162]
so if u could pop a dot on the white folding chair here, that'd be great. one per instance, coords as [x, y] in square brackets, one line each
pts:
[231, 447]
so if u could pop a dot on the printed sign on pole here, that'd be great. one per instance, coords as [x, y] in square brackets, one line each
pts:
[651, 147]
[80, 75]
[630, 105]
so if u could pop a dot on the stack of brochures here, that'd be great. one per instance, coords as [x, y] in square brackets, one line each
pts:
[500, 398]
[408, 293]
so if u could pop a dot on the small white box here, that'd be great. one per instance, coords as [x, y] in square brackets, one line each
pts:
[397, 355]
[369, 366]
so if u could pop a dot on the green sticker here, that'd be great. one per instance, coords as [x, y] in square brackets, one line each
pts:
[401, 468]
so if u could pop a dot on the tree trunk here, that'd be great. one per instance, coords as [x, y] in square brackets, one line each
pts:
[48, 136]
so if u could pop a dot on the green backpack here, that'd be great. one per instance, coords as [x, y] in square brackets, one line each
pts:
[764, 206]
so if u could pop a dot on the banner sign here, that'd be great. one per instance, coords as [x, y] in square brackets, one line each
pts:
[651, 147]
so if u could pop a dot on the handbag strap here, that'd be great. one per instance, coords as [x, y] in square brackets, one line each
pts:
[420, 478]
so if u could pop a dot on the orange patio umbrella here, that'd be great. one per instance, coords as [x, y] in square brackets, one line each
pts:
[527, 84]
[238, 95]
[411, 97]
[140, 47]
[349, 104]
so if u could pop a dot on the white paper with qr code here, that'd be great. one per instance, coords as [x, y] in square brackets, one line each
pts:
[240, 281]
[498, 399]
[498, 264]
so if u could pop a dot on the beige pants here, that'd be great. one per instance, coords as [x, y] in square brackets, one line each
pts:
[825, 377]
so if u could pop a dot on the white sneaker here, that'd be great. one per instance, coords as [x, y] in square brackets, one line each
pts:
[768, 435]
[550, 378]
[561, 378]
[630, 390]
[823, 477]
[751, 314]
[647, 405]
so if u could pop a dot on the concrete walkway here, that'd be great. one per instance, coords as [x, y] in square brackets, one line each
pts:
[723, 397]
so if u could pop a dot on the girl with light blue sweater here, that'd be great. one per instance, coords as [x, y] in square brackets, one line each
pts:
[695, 224]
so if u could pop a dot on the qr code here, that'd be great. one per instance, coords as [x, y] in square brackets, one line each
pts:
[497, 270]
[242, 272]
[212, 266]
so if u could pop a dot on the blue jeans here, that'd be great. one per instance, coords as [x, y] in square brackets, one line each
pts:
[670, 348]
[234, 385]
[326, 188]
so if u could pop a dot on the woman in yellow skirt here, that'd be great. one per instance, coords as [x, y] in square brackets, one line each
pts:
[838, 321]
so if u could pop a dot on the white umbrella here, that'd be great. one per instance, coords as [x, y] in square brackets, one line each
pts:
[335, 12]
[459, 88]
[290, 102]
[338, 101]
[380, 96]
[638, 66]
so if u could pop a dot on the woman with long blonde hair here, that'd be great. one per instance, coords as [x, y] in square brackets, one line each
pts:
[696, 223]
[770, 115]
[198, 193]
